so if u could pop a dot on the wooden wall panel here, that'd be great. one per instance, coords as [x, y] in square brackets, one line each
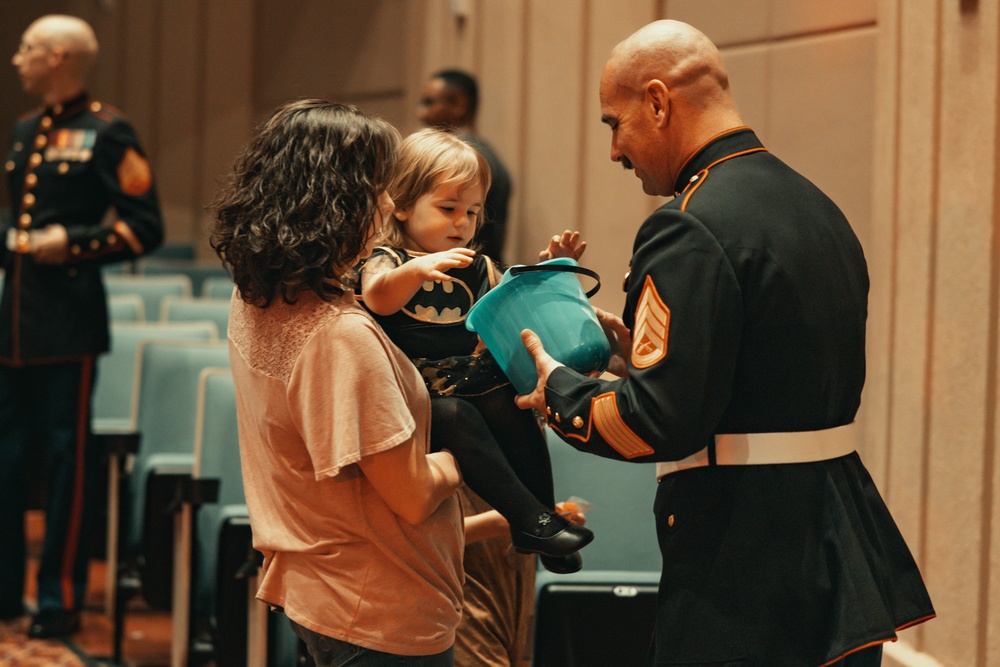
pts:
[179, 56]
[876, 403]
[916, 193]
[725, 22]
[749, 69]
[613, 205]
[227, 107]
[350, 51]
[793, 17]
[956, 550]
[549, 181]
[139, 68]
[501, 70]
[960, 345]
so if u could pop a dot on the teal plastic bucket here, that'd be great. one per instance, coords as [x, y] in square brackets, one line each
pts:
[548, 299]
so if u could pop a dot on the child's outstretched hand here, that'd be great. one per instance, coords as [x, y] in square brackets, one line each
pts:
[434, 265]
[567, 244]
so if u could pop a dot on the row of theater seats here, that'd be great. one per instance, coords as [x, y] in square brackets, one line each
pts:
[167, 383]
[165, 413]
[168, 297]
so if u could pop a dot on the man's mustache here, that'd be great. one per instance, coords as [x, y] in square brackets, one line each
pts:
[626, 163]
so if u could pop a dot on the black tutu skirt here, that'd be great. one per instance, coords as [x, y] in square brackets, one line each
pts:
[464, 375]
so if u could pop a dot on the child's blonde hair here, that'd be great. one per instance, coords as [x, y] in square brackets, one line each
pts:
[427, 159]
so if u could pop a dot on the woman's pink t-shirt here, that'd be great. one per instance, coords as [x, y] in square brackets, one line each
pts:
[319, 386]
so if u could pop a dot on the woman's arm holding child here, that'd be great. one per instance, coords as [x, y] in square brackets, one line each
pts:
[411, 482]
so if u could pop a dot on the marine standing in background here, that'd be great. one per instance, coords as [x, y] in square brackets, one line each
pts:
[67, 164]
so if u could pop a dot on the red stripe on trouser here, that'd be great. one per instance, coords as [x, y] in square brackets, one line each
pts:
[76, 513]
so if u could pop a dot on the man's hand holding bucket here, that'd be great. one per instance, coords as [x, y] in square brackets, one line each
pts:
[618, 335]
[620, 339]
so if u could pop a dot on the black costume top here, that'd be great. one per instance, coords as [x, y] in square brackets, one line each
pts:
[747, 301]
[67, 165]
[430, 328]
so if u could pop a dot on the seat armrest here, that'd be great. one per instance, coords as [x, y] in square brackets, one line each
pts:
[198, 491]
[117, 443]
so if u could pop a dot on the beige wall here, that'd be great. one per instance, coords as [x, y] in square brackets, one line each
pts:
[803, 74]
[194, 76]
[932, 395]
[891, 106]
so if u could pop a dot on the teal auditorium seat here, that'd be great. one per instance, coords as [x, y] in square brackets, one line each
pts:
[111, 407]
[198, 272]
[192, 309]
[152, 289]
[622, 495]
[117, 269]
[126, 308]
[604, 614]
[213, 536]
[217, 288]
[284, 648]
[175, 251]
[115, 427]
[215, 565]
[217, 456]
[112, 413]
[165, 410]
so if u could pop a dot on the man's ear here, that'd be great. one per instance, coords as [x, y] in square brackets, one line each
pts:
[57, 55]
[656, 95]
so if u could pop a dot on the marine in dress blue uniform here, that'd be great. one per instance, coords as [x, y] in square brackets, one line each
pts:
[746, 303]
[67, 165]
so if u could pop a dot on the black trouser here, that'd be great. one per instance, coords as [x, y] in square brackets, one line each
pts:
[500, 449]
[50, 402]
[329, 652]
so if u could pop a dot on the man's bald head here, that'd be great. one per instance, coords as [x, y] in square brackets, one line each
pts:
[70, 35]
[664, 94]
[675, 53]
[54, 56]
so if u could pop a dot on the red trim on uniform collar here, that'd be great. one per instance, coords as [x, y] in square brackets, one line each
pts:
[700, 148]
[699, 178]
[69, 107]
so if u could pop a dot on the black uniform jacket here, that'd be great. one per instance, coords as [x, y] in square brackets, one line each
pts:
[747, 301]
[68, 165]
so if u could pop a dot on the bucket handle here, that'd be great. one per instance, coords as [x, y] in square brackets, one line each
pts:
[566, 268]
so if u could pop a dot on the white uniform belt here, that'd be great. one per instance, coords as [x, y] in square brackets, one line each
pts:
[747, 449]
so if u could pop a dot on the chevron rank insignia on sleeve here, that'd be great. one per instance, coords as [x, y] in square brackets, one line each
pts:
[652, 327]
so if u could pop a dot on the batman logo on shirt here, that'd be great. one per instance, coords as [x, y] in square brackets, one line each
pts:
[439, 302]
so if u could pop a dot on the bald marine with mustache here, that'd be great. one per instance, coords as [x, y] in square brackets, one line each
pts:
[741, 361]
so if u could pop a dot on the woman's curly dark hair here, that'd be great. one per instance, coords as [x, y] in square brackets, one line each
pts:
[300, 204]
